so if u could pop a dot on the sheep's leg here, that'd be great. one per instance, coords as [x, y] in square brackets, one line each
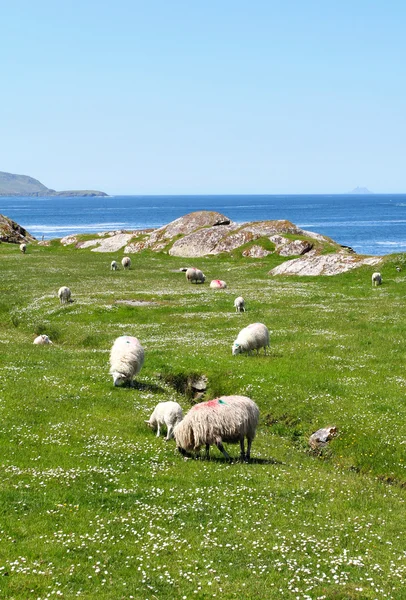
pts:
[157, 431]
[207, 456]
[222, 450]
[248, 455]
[242, 455]
[169, 433]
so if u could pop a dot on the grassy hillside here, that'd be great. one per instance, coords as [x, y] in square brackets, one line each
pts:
[93, 505]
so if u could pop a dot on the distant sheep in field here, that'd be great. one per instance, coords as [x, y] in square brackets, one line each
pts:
[113, 265]
[195, 275]
[126, 360]
[239, 304]
[23, 248]
[253, 337]
[42, 340]
[64, 295]
[168, 414]
[227, 419]
[376, 279]
[218, 284]
[126, 262]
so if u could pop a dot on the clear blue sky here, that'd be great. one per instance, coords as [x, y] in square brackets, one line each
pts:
[205, 96]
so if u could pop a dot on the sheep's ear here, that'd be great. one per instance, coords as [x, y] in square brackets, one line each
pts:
[146, 421]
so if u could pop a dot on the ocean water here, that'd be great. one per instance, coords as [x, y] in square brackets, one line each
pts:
[371, 224]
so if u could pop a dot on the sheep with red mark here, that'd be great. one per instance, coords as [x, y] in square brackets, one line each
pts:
[228, 419]
[165, 413]
[218, 284]
[126, 360]
[253, 337]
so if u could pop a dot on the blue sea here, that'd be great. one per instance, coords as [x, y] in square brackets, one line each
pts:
[370, 224]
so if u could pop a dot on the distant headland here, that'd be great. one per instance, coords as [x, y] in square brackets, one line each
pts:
[360, 190]
[23, 185]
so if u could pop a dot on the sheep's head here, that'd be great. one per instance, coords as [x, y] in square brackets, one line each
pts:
[119, 379]
[236, 349]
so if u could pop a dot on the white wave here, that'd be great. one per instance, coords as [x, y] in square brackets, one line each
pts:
[79, 227]
[387, 243]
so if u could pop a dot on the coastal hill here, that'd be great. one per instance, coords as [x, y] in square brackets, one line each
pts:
[360, 190]
[23, 185]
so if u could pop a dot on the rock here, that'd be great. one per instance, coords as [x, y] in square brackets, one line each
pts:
[199, 243]
[278, 240]
[68, 240]
[256, 252]
[13, 233]
[327, 264]
[295, 248]
[87, 244]
[320, 438]
[113, 243]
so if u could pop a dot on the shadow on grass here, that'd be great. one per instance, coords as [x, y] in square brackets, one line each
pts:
[147, 387]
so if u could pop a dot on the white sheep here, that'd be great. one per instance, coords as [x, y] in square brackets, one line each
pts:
[168, 414]
[376, 279]
[195, 275]
[42, 340]
[23, 248]
[126, 262]
[218, 284]
[253, 337]
[226, 419]
[239, 304]
[113, 265]
[64, 295]
[126, 360]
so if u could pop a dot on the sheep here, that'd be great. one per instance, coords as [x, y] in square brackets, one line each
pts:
[126, 262]
[113, 265]
[376, 279]
[166, 413]
[195, 275]
[239, 304]
[253, 337]
[23, 248]
[126, 360]
[218, 284]
[64, 295]
[226, 419]
[42, 340]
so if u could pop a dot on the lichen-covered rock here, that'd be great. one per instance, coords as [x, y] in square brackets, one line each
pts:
[295, 248]
[321, 437]
[13, 233]
[200, 243]
[256, 252]
[327, 264]
[113, 243]
[68, 240]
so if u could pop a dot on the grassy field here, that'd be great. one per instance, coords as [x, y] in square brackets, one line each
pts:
[93, 505]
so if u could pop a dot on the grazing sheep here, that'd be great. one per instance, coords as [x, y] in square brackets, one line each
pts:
[239, 304]
[218, 284]
[126, 360]
[42, 340]
[126, 262]
[376, 279]
[166, 413]
[226, 419]
[64, 295]
[253, 337]
[113, 265]
[23, 248]
[195, 275]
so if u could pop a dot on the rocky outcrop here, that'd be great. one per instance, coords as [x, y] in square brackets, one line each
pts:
[324, 264]
[12, 232]
[256, 252]
[295, 248]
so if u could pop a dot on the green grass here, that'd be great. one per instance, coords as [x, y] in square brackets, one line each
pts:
[93, 505]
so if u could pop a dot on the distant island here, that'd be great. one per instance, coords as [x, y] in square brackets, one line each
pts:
[360, 190]
[23, 185]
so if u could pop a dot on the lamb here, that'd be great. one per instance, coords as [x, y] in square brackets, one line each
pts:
[64, 295]
[253, 337]
[218, 284]
[166, 413]
[23, 248]
[376, 279]
[42, 340]
[239, 304]
[195, 275]
[113, 265]
[126, 360]
[226, 419]
[126, 262]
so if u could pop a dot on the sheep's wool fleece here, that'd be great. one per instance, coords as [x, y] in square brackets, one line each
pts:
[168, 412]
[218, 284]
[126, 356]
[253, 337]
[226, 419]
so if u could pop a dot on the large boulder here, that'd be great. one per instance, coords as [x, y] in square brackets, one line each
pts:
[324, 264]
[12, 232]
